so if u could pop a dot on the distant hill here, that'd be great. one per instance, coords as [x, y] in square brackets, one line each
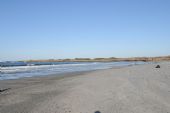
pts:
[145, 59]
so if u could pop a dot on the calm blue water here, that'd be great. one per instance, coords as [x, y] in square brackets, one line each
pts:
[15, 70]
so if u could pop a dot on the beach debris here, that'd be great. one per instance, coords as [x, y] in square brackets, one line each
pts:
[158, 66]
[2, 90]
[97, 112]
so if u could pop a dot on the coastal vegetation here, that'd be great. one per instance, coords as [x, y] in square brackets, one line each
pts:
[111, 59]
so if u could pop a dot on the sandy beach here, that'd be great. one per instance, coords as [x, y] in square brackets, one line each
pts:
[132, 89]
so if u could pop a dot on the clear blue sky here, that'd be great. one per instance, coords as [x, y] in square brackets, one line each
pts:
[43, 29]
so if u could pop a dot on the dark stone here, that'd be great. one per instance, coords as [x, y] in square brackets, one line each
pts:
[97, 112]
[158, 66]
[2, 90]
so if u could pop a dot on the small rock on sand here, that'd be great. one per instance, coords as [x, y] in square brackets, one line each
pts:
[158, 66]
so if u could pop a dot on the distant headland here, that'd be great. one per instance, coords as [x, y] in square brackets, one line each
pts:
[111, 59]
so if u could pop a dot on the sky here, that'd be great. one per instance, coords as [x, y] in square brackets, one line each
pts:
[54, 29]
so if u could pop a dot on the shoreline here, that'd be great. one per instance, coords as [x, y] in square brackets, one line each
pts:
[137, 88]
[64, 72]
[4, 83]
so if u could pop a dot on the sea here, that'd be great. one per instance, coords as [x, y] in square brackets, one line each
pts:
[19, 69]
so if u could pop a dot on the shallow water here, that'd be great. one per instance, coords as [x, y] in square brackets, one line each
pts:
[15, 70]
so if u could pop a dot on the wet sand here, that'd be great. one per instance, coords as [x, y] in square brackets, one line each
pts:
[133, 89]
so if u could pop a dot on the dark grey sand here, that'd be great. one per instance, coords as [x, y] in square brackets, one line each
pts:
[134, 89]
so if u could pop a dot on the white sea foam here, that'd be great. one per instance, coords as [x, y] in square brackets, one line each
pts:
[41, 70]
